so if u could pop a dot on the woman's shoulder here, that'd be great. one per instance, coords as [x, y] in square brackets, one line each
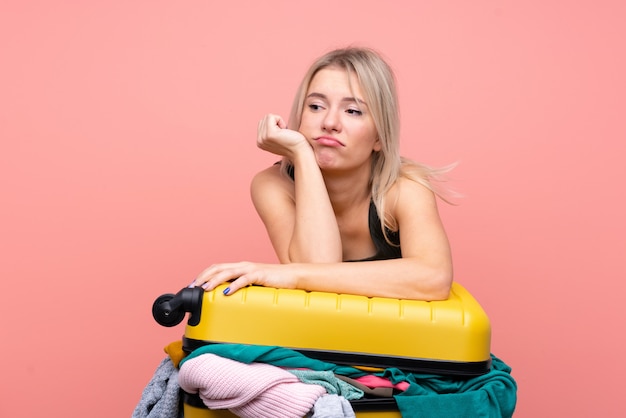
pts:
[271, 178]
[408, 194]
[269, 172]
[409, 185]
[429, 180]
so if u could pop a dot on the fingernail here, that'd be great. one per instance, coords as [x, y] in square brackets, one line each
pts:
[226, 290]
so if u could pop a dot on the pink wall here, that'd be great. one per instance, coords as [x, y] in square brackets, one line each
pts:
[128, 135]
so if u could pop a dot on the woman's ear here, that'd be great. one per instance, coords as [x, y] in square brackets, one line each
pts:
[377, 145]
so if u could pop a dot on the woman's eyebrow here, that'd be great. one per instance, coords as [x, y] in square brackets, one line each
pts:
[345, 99]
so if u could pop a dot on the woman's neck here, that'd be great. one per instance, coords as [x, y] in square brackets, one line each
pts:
[347, 191]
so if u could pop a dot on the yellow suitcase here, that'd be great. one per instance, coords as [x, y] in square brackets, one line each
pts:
[451, 337]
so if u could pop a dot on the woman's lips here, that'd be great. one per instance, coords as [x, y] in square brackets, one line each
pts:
[329, 141]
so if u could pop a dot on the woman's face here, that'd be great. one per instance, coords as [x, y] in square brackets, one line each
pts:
[337, 122]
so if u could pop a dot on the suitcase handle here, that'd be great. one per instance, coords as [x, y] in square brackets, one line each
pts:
[169, 310]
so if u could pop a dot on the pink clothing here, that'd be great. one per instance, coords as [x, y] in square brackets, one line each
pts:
[255, 390]
[373, 381]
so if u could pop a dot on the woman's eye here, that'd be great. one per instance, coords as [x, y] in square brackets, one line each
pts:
[355, 112]
[314, 106]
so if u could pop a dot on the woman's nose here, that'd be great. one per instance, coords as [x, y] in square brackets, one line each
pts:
[331, 121]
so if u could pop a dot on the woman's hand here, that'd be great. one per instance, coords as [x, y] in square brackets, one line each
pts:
[244, 274]
[273, 136]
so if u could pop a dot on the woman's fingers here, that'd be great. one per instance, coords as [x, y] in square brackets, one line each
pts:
[244, 274]
[217, 274]
[268, 125]
[212, 276]
[274, 136]
[239, 283]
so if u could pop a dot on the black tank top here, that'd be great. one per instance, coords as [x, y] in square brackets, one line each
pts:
[384, 249]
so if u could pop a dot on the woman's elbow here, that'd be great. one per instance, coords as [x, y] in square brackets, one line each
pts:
[438, 285]
[442, 291]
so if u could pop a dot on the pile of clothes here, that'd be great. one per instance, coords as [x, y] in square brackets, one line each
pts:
[268, 381]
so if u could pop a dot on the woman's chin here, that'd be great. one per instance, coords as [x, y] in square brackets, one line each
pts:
[326, 159]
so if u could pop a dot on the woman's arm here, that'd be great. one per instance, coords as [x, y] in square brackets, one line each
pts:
[423, 273]
[299, 217]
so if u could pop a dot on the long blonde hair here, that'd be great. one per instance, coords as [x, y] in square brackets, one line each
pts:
[377, 82]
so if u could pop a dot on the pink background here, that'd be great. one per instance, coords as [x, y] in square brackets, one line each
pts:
[128, 142]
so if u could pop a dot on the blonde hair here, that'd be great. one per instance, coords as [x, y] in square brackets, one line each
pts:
[378, 84]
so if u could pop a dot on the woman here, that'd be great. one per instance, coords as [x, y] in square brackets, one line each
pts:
[344, 212]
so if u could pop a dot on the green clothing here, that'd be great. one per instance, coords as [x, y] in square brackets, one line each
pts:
[278, 356]
[329, 381]
[492, 395]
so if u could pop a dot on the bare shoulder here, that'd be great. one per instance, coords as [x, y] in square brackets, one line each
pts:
[407, 195]
[271, 178]
[270, 173]
[272, 186]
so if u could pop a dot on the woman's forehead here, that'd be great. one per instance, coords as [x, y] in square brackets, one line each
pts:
[336, 81]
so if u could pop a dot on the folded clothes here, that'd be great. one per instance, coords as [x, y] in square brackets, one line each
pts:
[377, 392]
[491, 395]
[373, 381]
[175, 351]
[254, 390]
[274, 355]
[332, 406]
[159, 398]
[328, 381]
